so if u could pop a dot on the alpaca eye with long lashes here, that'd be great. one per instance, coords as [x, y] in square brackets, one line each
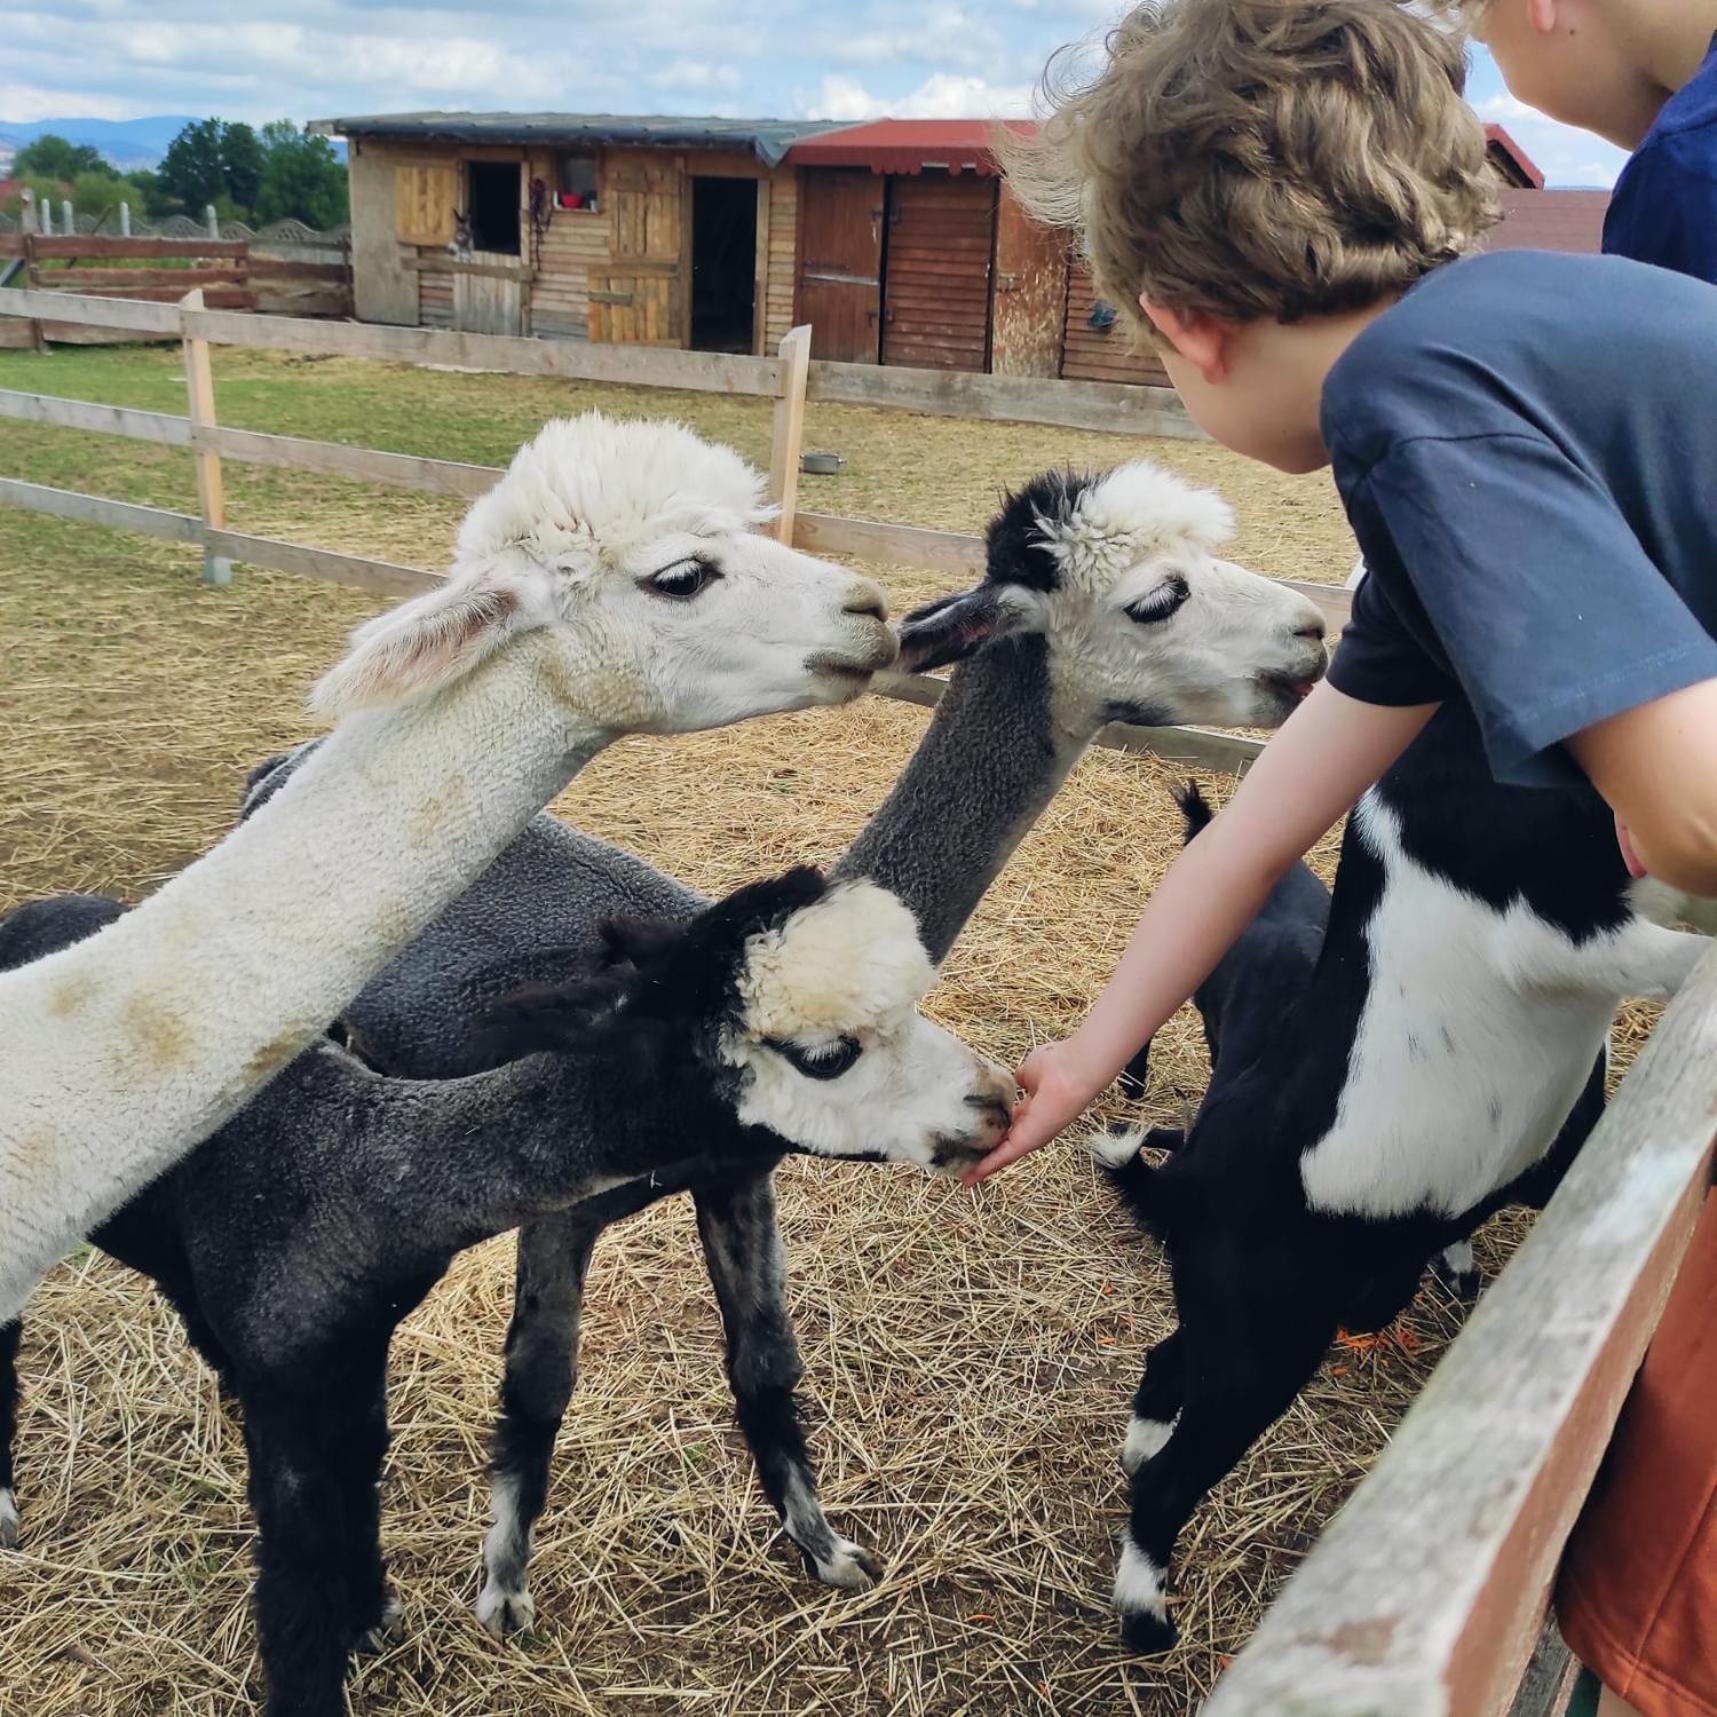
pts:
[826, 1061]
[1161, 603]
[683, 580]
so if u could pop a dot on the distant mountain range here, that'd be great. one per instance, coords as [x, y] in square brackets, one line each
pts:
[127, 143]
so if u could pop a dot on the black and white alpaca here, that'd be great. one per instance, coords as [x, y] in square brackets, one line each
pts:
[295, 1240]
[1103, 600]
[1479, 940]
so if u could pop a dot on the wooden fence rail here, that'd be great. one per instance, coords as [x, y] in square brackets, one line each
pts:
[790, 380]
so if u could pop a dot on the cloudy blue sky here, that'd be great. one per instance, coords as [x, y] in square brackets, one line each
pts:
[837, 59]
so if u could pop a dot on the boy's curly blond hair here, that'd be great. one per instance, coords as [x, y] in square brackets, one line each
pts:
[1261, 158]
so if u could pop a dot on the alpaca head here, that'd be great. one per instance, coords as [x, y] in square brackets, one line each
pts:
[631, 550]
[1142, 621]
[794, 1002]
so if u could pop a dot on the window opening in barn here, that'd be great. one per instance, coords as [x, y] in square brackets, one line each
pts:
[576, 188]
[724, 264]
[492, 205]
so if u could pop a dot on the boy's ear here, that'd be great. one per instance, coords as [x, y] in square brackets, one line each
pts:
[1197, 336]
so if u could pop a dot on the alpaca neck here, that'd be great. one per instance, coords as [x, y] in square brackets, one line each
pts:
[991, 760]
[121, 1053]
[445, 1164]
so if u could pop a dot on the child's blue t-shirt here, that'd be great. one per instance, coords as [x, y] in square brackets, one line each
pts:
[1664, 207]
[1526, 445]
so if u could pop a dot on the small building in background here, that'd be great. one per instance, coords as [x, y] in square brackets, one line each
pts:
[638, 230]
[898, 241]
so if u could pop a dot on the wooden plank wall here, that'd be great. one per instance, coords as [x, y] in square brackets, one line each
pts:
[435, 300]
[936, 271]
[576, 242]
[783, 256]
[1102, 355]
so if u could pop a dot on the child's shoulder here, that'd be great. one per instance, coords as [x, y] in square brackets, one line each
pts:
[1482, 344]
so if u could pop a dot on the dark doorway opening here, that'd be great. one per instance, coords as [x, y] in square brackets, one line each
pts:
[492, 205]
[724, 264]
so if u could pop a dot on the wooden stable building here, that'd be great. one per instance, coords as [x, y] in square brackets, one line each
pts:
[897, 241]
[650, 231]
[912, 250]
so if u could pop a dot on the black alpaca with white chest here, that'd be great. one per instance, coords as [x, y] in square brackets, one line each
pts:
[294, 1240]
[1443, 1057]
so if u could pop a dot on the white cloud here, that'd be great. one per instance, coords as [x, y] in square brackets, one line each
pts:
[22, 103]
[1566, 154]
[691, 75]
[943, 95]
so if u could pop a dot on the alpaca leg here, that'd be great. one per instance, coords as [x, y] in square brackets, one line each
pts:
[357, 1445]
[1156, 1403]
[1245, 1356]
[303, 1597]
[1456, 1269]
[10, 1336]
[742, 1247]
[541, 1370]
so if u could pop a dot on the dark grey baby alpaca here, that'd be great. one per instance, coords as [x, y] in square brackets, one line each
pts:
[296, 1238]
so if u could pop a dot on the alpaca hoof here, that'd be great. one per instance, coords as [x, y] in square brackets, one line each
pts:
[500, 1612]
[1455, 1269]
[1144, 1438]
[848, 1566]
[10, 1520]
[387, 1633]
[1145, 1633]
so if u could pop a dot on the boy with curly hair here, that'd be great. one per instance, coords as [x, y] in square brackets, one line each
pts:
[1283, 193]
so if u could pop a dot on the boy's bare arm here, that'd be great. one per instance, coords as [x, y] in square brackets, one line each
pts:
[1328, 752]
[1656, 765]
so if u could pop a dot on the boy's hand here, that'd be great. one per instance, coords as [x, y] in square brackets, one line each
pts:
[1057, 1088]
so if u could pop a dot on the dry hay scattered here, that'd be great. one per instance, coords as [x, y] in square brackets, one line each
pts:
[969, 1359]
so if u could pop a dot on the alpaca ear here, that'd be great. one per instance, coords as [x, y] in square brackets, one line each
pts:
[955, 627]
[428, 643]
[636, 941]
[545, 1016]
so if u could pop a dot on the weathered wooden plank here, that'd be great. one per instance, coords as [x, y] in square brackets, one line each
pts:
[157, 426]
[1424, 1595]
[895, 545]
[1203, 747]
[1114, 408]
[95, 248]
[229, 297]
[91, 312]
[436, 264]
[97, 510]
[1548, 1684]
[701, 372]
[361, 573]
[358, 464]
[787, 435]
[139, 279]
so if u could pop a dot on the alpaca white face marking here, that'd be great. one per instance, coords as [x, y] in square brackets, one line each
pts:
[835, 1056]
[1148, 621]
[633, 547]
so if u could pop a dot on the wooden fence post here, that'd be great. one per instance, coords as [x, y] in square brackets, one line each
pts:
[789, 434]
[211, 489]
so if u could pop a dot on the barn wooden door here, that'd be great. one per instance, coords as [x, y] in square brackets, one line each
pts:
[936, 281]
[641, 297]
[840, 263]
[1031, 293]
[489, 303]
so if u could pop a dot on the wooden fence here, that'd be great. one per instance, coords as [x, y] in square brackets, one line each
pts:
[1427, 1593]
[790, 380]
[234, 274]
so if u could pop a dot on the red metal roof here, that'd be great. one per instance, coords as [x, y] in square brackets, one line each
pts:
[1524, 167]
[1550, 220]
[906, 146]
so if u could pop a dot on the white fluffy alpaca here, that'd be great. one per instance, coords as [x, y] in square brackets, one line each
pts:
[610, 583]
